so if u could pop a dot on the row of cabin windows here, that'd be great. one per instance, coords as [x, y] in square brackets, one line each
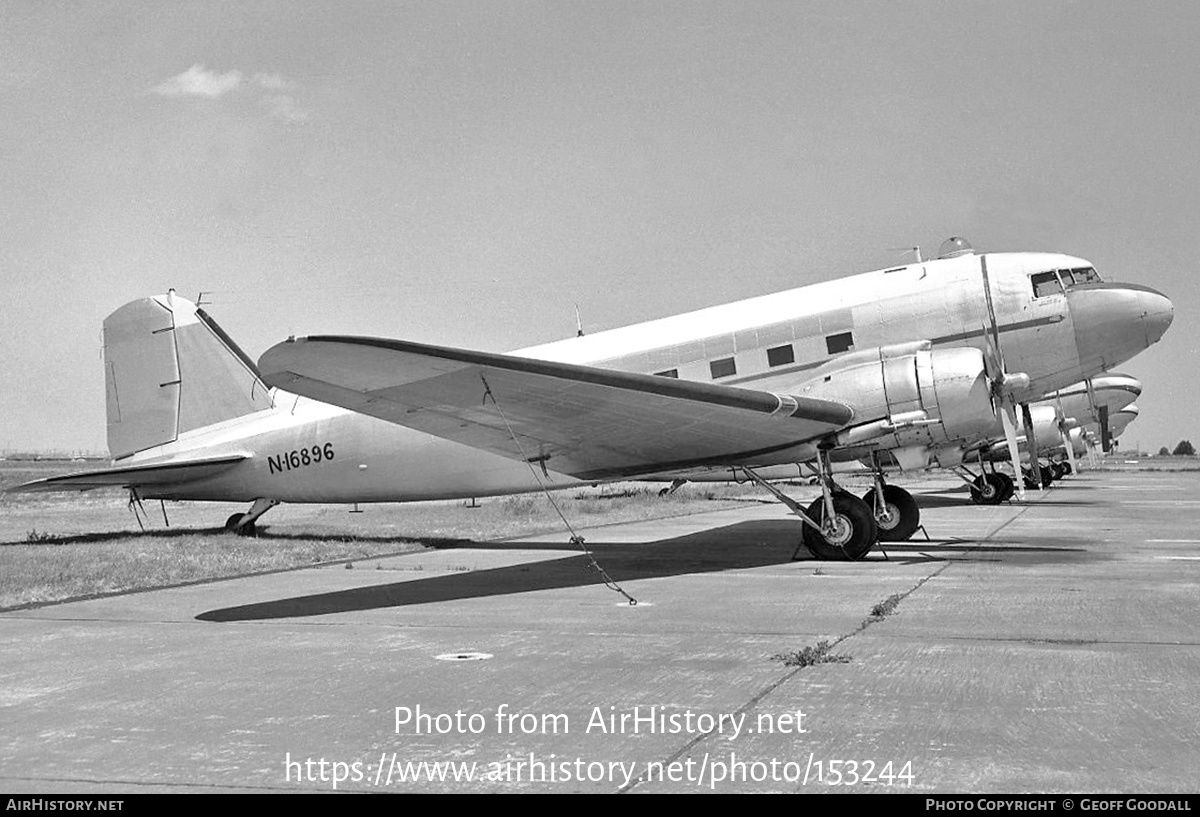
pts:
[776, 356]
[1055, 281]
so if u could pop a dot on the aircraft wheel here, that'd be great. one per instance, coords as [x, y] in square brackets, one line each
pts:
[1066, 468]
[854, 531]
[1007, 486]
[1048, 476]
[900, 515]
[987, 490]
[249, 529]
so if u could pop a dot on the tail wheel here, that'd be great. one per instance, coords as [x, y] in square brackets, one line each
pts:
[898, 518]
[853, 532]
[249, 529]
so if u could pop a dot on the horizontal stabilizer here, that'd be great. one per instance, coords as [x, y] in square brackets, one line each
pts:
[585, 421]
[134, 476]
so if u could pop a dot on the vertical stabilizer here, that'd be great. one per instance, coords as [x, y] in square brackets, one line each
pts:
[169, 369]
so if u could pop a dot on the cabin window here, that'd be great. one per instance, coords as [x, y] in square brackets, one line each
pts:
[668, 373]
[842, 342]
[781, 355]
[724, 367]
[1046, 283]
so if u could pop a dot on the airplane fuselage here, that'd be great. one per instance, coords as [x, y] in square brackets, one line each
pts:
[1055, 333]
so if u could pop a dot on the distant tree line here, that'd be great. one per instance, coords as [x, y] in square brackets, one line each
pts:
[1183, 449]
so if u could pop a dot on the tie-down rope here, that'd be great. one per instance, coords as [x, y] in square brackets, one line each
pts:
[576, 539]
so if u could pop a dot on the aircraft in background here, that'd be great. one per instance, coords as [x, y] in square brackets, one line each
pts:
[1060, 424]
[1096, 401]
[917, 362]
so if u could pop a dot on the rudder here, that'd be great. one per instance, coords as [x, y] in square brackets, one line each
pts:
[169, 369]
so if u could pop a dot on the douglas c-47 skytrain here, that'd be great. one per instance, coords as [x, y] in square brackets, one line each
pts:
[919, 364]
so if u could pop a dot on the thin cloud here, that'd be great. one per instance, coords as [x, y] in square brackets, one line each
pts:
[265, 89]
[196, 81]
[271, 82]
[285, 107]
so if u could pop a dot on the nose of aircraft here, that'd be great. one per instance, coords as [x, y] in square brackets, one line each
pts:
[1113, 322]
[1157, 313]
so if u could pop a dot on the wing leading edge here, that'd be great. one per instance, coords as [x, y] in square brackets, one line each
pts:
[584, 421]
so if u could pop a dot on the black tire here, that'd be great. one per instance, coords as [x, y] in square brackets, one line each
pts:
[902, 515]
[1047, 475]
[249, 529]
[987, 490]
[1067, 469]
[1007, 486]
[856, 528]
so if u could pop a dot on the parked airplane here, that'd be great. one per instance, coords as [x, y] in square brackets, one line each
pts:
[917, 360]
[1059, 423]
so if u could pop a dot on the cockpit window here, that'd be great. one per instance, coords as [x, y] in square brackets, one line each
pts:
[1054, 281]
[1079, 275]
[1045, 283]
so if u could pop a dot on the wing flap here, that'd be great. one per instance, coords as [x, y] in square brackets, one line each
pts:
[580, 420]
[134, 476]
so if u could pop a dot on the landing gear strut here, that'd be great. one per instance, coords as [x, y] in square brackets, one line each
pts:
[897, 515]
[989, 487]
[1044, 476]
[243, 523]
[673, 487]
[837, 526]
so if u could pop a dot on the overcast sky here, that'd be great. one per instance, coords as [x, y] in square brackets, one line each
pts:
[466, 172]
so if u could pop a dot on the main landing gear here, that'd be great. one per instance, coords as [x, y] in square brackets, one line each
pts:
[243, 523]
[838, 525]
[989, 487]
[896, 512]
[1045, 477]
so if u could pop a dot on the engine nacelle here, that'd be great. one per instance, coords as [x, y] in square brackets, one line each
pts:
[912, 394]
[1078, 442]
[1046, 434]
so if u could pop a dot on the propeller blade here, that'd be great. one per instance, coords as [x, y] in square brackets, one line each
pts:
[1009, 419]
[1066, 438]
[1035, 470]
[1065, 432]
[1105, 431]
[991, 312]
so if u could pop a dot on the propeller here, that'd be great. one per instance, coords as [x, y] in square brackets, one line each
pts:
[1035, 470]
[1064, 433]
[1005, 386]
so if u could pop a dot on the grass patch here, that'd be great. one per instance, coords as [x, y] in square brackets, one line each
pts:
[36, 573]
[886, 607]
[819, 653]
[98, 548]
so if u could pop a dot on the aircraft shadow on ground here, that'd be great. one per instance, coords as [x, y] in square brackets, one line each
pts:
[743, 545]
[962, 500]
[264, 534]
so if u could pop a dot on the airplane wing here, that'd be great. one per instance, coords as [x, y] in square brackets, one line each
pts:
[584, 421]
[152, 474]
